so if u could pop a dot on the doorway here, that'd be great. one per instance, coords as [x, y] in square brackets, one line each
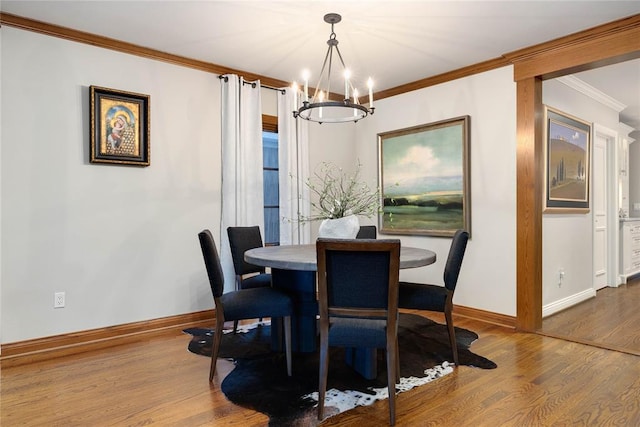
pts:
[605, 45]
[600, 226]
[603, 320]
[605, 207]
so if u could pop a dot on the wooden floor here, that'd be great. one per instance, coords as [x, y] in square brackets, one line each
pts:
[609, 320]
[540, 381]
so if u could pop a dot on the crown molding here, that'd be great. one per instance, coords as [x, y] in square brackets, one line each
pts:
[630, 25]
[586, 89]
[129, 48]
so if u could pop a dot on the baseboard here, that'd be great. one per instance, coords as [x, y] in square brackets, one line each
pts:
[567, 302]
[485, 316]
[21, 352]
[38, 349]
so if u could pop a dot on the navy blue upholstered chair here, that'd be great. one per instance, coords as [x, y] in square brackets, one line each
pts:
[241, 304]
[248, 275]
[367, 232]
[241, 239]
[358, 303]
[439, 298]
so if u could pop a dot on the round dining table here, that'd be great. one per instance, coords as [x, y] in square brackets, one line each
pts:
[293, 269]
[303, 257]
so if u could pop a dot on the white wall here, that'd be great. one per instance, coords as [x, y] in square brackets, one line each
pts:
[335, 143]
[120, 241]
[269, 98]
[1, 97]
[488, 277]
[567, 239]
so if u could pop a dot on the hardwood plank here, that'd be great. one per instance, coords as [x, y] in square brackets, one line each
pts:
[539, 381]
[156, 381]
[608, 320]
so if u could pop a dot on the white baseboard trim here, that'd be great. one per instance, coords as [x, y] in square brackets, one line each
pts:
[567, 302]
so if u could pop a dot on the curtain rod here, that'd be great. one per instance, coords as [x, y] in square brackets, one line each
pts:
[253, 84]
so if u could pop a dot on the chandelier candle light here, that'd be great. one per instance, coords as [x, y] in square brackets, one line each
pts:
[320, 108]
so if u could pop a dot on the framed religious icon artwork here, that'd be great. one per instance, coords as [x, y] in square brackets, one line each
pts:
[119, 127]
[425, 179]
[567, 163]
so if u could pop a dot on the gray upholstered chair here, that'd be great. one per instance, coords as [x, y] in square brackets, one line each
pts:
[347, 270]
[367, 232]
[241, 239]
[242, 304]
[439, 298]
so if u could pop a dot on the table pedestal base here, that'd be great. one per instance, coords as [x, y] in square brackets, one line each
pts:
[301, 285]
[363, 360]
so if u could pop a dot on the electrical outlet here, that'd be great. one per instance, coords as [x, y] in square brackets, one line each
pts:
[560, 277]
[58, 300]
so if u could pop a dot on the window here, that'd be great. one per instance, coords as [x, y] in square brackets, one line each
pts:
[270, 181]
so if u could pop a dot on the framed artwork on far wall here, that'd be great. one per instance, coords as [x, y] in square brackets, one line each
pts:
[424, 174]
[567, 163]
[119, 127]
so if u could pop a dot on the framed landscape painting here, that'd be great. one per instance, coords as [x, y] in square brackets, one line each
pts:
[567, 163]
[119, 127]
[425, 179]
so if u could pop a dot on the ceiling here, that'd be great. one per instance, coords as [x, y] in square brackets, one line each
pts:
[394, 42]
[622, 83]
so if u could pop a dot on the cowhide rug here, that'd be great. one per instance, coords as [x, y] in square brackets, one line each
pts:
[259, 380]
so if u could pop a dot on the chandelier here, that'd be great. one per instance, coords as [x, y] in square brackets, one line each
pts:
[320, 107]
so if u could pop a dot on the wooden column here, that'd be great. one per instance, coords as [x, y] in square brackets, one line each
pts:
[529, 174]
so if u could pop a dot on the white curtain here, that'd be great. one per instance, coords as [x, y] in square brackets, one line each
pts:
[242, 190]
[293, 164]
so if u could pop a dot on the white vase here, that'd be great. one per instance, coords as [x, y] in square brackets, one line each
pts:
[340, 228]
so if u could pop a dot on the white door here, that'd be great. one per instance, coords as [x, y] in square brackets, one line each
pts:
[600, 237]
[604, 207]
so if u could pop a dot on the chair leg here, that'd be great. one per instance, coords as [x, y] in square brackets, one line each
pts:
[324, 370]
[392, 375]
[287, 342]
[235, 326]
[217, 337]
[397, 362]
[452, 335]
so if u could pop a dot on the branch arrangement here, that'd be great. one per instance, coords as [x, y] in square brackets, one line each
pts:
[340, 194]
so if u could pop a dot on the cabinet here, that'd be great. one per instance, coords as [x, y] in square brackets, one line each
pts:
[629, 248]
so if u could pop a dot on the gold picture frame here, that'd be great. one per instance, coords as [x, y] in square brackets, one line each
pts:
[567, 158]
[119, 127]
[425, 179]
